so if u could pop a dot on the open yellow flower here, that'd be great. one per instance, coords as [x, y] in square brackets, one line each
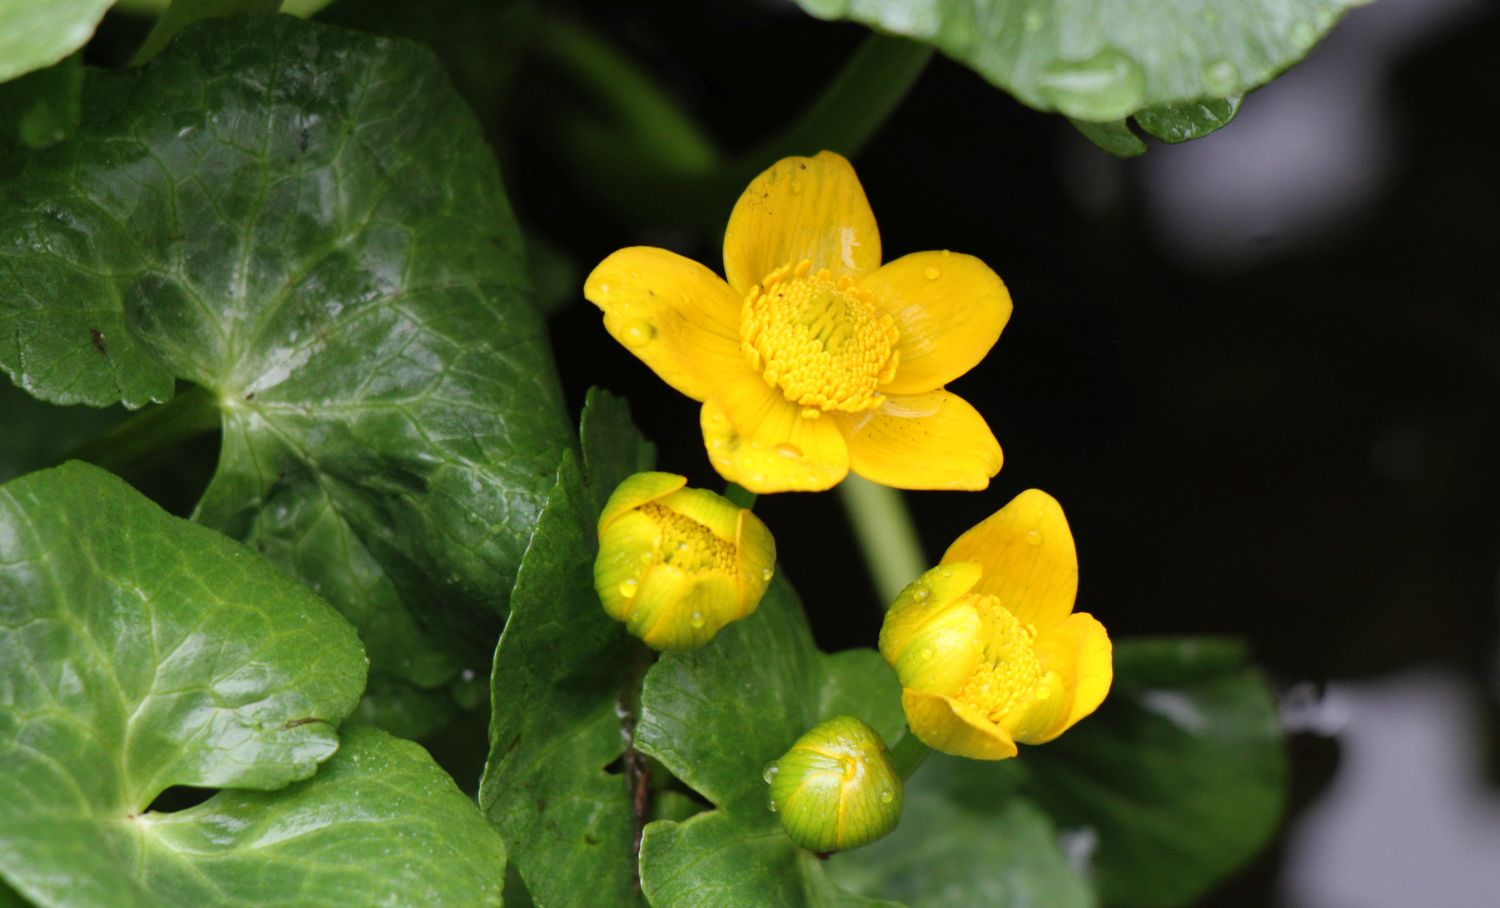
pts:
[814, 359]
[987, 647]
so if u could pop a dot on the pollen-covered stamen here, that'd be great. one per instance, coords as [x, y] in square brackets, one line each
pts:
[819, 339]
[1009, 675]
[688, 545]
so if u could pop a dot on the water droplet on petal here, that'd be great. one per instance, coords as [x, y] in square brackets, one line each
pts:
[1033, 536]
[628, 588]
[789, 450]
[796, 188]
[932, 273]
[887, 796]
[927, 652]
[770, 771]
[696, 620]
[765, 573]
[1221, 78]
[921, 593]
[636, 333]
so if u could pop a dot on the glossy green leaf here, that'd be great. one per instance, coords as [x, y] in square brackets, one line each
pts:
[1103, 62]
[562, 674]
[137, 652]
[960, 845]
[34, 34]
[1180, 777]
[1115, 137]
[42, 107]
[305, 221]
[715, 717]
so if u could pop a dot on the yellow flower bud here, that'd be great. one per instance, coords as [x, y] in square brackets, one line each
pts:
[677, 564]
[987, 646]
[836, 788]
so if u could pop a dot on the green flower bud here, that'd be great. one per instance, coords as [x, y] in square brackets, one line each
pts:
[836, 788]
[677, 564]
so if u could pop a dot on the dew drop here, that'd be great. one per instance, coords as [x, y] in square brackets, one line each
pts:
[696, 620]
[1107, 86]
[921, 593]
[887, 796]
[636, 333]
[765, 573]
[772, 805]
[1033, 536]
[628, 588]
[932, 273]
[770, 771]
[788, 450]
[927, 652]
[1033, 21]
[796, 188]
[1221, 78]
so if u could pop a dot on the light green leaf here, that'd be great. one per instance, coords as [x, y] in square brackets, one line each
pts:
[563, 672]
[715, 717]
[35, 34]
[1181, 775]
[138, 652]
[1190, 119]
[957, 848]
[1104, 62]
[306, 222]
[1115, 137]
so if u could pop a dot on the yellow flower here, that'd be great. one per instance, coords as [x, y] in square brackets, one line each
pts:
[677, 564]
[986, 645]
[814, 359]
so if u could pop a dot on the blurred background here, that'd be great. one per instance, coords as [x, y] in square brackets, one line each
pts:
[1261, 371]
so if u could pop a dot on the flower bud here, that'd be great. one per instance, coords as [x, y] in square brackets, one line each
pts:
[836, 788]
[677, 564]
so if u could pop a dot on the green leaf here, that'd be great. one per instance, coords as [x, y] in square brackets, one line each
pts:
[715, 717]
[42, 107]
[1190, 119]
[33, 34]
[1181, 774]
[956, 848]
[305, 221]
[562, 674]
[183, 13]
[1115, 137]
[138, 652]
[1106, 62]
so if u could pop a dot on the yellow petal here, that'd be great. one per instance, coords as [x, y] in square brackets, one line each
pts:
[926, 600]
[949, 308]
[627, 546]
[756, 559]
[759, 439]
[1079, 651]
[801, 208]
[675, 610]
[675, 315]
[718, 514]
[945, 724]
[1029, 561]
[636, 490]
[923, 441]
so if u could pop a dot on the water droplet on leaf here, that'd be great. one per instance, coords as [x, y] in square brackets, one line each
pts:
[1221, 78]
[770, 771]
[1107, 86]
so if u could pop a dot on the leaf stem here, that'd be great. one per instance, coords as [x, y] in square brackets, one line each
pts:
[886, 534]
[637, 767]
[187, 415]
[740, 496]
[908, 755]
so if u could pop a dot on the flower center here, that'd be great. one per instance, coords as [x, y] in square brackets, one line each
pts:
[1009, 675]
[818, 339]
[688, 545]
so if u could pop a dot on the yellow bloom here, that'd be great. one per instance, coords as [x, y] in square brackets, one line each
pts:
[814, 359]
[677, 564]
[986, 645]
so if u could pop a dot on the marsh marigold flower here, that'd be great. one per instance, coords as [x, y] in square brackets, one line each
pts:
[987, 647]
[677, 564]
[813, 358]
[836, 788]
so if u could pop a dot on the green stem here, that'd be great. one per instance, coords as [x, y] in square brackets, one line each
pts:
[886, 534]
[740, 496]
[908, 754]
[192, 413]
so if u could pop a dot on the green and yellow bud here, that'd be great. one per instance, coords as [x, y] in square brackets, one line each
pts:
[836, 788]
[677, 564]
